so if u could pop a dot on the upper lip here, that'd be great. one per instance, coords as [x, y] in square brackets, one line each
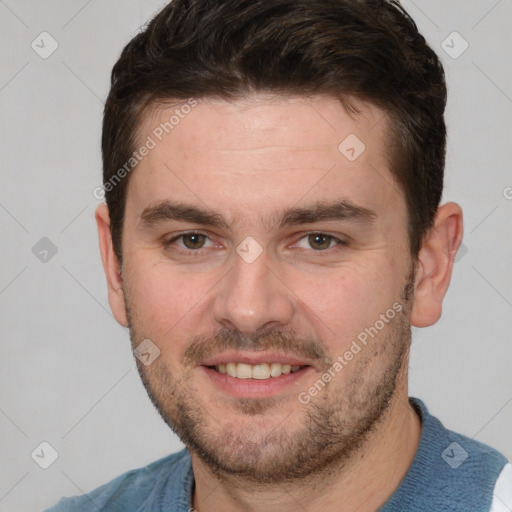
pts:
[254, 358]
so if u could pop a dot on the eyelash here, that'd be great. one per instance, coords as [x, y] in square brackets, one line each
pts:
[197, 252]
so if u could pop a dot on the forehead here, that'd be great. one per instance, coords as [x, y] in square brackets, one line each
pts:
[262, 118]
[263, 151]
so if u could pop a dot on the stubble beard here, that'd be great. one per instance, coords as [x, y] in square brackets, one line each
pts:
[326, 432]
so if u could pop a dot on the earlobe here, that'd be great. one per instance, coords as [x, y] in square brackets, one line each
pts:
[110, 265]
[435, 265]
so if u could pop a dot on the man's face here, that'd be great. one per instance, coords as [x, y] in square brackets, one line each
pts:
[292, 248]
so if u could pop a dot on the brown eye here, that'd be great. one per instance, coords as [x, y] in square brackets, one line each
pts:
[194, 240]
[319, 241]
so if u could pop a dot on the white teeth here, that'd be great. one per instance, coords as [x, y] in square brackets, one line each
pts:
[258, 371]
[244, 371]
[275, 369]
[231, 369]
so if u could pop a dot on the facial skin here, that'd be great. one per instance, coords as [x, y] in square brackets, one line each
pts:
[250, 162]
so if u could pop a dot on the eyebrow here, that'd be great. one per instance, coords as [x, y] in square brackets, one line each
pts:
[166, 211]
[342, 210]
[321, 211]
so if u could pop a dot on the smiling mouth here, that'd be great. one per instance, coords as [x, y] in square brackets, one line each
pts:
[258, 371]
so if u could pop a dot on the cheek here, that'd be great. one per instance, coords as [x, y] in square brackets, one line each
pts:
[165, 301]
[344, 302]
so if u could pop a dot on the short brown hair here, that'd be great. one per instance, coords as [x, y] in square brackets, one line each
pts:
[366, 49]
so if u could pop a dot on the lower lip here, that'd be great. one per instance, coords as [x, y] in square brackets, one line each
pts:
[255, 388]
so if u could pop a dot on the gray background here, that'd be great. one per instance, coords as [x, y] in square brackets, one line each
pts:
[67, 375]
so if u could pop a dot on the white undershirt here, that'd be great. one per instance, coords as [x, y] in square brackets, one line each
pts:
[502, 495]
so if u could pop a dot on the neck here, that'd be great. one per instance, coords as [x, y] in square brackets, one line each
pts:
[363, 484]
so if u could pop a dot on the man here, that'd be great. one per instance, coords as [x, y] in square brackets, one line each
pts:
[273, 173]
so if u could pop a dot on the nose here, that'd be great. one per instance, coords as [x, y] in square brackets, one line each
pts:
[252, 297]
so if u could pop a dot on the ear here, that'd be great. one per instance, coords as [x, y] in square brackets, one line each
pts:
[435, 265]
[111, 265]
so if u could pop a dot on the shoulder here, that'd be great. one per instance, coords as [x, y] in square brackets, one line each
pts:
[450, 471]
[456, 451]
[132, 489]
